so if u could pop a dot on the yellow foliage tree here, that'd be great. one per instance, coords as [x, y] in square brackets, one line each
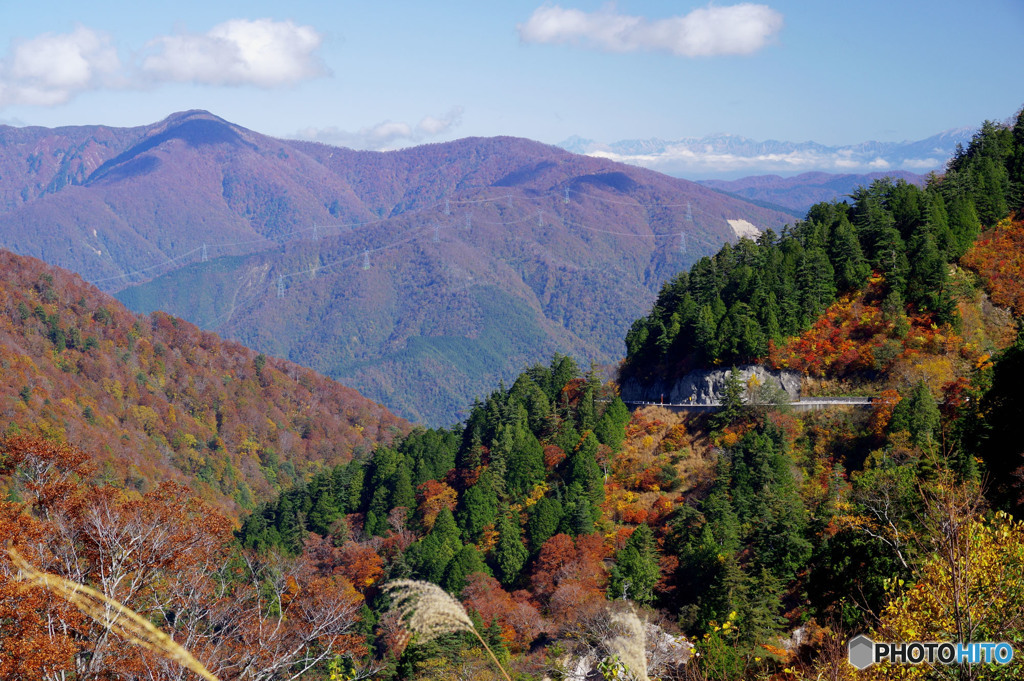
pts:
[970, 589]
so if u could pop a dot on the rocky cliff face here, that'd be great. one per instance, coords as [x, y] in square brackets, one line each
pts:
[706, 387]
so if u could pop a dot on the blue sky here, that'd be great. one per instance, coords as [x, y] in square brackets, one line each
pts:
[388, 74]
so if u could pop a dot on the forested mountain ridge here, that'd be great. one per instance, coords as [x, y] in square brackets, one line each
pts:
[153, 192]
[746, 301]
[155, 397]
[421, 277]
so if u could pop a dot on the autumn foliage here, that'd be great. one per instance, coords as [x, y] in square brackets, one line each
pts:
[998, 256]
[166, 555]
[854, 335]
[570, 576]
[156, 398]
[431, 497]
[517, 616]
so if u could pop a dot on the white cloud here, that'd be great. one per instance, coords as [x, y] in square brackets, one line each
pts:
[431, 126]
[706, 32]
[389, 131]
[386, 135]
[263, 52]
[844, 161]
[705, 162]
[52, 68]
[922, 163]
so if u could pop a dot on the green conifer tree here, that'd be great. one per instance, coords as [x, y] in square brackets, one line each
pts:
[704, 332]
[850, 266]
[325, 512]
[510, 554]
[1015, 166]
[611, 428]
[429, 557]
[477, 508]
[937, 220]
[816, 281]
[636, 571]
[918, 414]
[964, 224]
[731, 401]
[525, 463]
[467, 561]
[585, 471]
[543, 521]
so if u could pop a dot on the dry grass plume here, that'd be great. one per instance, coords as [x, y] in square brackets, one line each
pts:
[119, 619]
[429, 611]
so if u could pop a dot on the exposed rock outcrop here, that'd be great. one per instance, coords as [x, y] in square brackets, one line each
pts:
[706, 387]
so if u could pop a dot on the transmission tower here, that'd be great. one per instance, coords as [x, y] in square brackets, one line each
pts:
[566, 199]
[689, 212]
[204, 253]
[366, 258]
[540, 218]
[436, 237]
[280, 286]
[682, 242]
[316, 237]
[447, 207]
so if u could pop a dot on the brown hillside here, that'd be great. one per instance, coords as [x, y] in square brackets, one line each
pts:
[156, 397]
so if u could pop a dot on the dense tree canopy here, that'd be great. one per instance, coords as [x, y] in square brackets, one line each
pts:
[728, 307]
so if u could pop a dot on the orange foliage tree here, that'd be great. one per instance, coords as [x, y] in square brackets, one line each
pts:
[431, 497]
[169, 557]
[998, 256]
[569, 577]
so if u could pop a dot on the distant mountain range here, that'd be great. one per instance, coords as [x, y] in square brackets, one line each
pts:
[421, 277]
[800, 192]
[732, 156]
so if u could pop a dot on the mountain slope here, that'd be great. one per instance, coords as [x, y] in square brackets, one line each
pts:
[802, 191]
[484, 254]
[156, 193]
[462, 292]
[156, 397]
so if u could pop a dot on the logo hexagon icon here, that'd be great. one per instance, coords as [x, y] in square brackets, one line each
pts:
[861, 651]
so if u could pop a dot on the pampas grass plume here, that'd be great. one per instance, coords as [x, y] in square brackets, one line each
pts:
[629, 643]
[119, 619]
[429, 611]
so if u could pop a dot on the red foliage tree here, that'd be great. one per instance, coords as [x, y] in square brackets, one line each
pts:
[520, 621]
[569, 576]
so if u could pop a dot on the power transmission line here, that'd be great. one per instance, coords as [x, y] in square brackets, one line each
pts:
[414, 233]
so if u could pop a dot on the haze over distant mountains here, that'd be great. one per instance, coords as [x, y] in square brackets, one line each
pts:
[733, 156]
[800, 192]
[421, 277]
